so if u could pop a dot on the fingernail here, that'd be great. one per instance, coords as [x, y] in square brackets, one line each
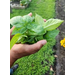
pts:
[44, 20]
[30, 14]
[44, 42]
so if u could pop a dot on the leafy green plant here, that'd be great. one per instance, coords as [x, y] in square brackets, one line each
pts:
[33, 29]
[30, 30]
[24, 2]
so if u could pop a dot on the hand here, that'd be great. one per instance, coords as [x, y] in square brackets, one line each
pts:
[20, 50]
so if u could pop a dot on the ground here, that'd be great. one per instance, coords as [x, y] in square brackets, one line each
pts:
[60, 51]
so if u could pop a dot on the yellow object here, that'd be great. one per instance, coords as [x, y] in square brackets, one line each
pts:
[21, 4]
[62, 42]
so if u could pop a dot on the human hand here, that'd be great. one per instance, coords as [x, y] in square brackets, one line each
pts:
[20, 50]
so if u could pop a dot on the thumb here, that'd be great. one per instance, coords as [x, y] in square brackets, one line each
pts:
[37, 46]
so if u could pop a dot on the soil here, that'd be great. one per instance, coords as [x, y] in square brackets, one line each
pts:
[60, 51]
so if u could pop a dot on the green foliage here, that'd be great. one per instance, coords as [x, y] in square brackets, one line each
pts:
[34, 28]
[45, 8]
[50, 35]
[24, 2]
[52, 24]
[14, 40]
[51, 72]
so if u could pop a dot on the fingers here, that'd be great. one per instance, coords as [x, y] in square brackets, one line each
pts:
[44, 20]
[30, 14]
[35, 47]
[11, 32]
[20, 50]
[12, 29]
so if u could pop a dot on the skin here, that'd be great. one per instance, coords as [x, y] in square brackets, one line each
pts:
[21, 50]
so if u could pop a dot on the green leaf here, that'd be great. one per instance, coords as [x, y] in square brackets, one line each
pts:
[39, 19]
[50, 35]
[22, 39]
[28, 18]
[52, 24]
[31, 39]
[14, 40]
[20, 23]
[35, 29]
[19, 30]
[37, 38]
[16, 21]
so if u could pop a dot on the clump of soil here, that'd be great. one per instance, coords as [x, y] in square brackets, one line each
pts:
[60, 51]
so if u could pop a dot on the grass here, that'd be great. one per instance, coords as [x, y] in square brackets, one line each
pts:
[45, 8]
[40, 62]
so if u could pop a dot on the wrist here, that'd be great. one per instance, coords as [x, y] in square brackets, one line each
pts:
[12, 58]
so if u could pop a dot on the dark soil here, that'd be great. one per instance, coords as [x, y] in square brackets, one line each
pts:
[60, 51]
